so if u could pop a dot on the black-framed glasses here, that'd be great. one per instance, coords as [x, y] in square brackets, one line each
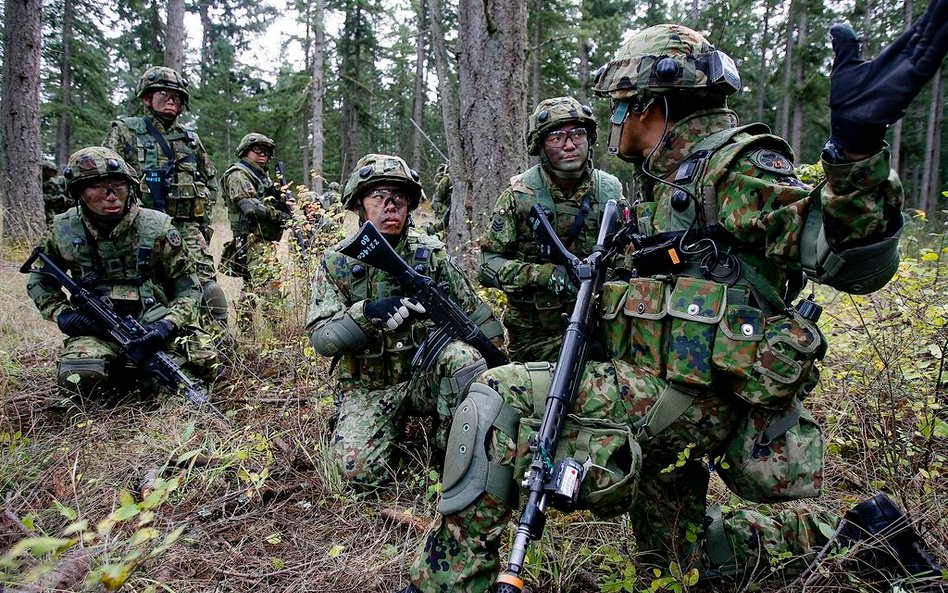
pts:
[557, 138]
[380, 196]
[261, 151]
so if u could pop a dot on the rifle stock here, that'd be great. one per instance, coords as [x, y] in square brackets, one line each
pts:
[541, 477]
[123, 330]
[371, 248]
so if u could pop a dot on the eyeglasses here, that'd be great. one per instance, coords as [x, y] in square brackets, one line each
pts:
[164, 95]
[380, 196]
[261, 150]
[101, 189]
[557, 138]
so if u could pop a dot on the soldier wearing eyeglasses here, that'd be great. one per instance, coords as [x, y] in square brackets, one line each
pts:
[561, 131]
[177, 175]
[360, 318]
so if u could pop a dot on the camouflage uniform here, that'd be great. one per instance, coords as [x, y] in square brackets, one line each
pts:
[256, 223]
[141, 266]
[55, 198]
[509, 257]
[720, 351]
[441, 198]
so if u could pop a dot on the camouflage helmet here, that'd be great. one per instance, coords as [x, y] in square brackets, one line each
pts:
[162, 77]
[253, 138]
[551, 114]
[665, 58]
[93, 162]
[373, 169]
[49, 165]
[334, 186]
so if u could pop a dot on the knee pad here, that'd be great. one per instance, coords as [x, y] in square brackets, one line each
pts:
[214, 301]
[455, 386]
[81, 374]
[468, 472]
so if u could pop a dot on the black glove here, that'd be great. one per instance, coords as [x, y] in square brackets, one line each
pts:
[153, 340]
[868, 95]
[393, 311]
[75, 323]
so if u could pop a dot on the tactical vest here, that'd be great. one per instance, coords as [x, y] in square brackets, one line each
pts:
[121, 268]
[270, 230]
[188, 194]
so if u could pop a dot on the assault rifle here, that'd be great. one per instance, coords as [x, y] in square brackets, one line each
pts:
[123, 330]
[548, 483]
[284, 201]
[371, 248]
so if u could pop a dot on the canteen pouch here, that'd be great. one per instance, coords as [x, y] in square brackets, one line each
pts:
[608, 451]
[785, 361]
[774, 456]
[738, 337]
[614, 330]
[644, 310]
[696, 307]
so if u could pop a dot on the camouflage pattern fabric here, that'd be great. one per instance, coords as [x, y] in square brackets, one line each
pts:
[56, 199]
[194, 187]
[533, 315]
[441, 198]
[169, 290]
[376, 380]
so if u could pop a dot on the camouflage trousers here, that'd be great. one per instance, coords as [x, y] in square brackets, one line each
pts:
[668, 511]
[90, 365]
[371, 422]
[532, 334]
[263, 281]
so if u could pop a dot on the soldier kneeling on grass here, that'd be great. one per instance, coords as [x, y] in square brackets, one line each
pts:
[135, 257]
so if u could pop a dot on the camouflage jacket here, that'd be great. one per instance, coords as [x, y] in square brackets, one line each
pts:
[249, 208]
[56, 199]
[342, 286]
[509, 258]
[194, 185]
[141, 266]
[757, 198]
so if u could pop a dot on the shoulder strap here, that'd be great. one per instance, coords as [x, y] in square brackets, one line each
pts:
[533, 179]
[169, 154]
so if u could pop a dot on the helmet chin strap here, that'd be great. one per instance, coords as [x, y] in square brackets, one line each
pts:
[164, 119]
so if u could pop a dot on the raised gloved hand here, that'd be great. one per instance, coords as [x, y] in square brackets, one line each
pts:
[868, 95]
[393, 311]
[561, 283]
[75, 323]
[153, 340]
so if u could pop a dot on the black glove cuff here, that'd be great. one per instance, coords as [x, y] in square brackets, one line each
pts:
[856, 136]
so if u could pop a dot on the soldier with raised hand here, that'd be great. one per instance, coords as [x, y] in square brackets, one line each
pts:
[255, 220]
[561, 131]
[710, 356]
[130, 254]
[177, 175]
[56, 199]
[359, 318]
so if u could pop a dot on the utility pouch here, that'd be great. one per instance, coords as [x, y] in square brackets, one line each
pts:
[785, 361]
[609, 454]
[696, 306]
[157, 182]
[614, 329]
[644, 309]
[775, 456]
[738, 336]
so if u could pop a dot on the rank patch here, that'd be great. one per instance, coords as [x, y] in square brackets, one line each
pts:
[771, 161]
[498, 224]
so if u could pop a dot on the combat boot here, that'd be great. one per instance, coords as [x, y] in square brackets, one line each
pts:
[884, 541]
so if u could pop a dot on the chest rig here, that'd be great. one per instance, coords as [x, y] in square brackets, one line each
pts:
[120, 268]
[172, 182]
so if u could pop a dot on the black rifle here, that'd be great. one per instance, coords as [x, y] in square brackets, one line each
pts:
[123, 330]
[452, 323]
[284, 201]
[544, 480]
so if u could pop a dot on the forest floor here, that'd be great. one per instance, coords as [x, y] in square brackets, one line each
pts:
[158, 496]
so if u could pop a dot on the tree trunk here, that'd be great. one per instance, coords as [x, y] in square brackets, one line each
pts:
[536, 55]
[205, 41]
[22, 196]
[897, 127]
[305, 116]
[63, 123]
[174, 35]
[418, 105]
[796, 132]
[319, 42]
[351, 67]
[493, 109]
[762, 73]
[930, 181]
[783, 123]
[585, 46]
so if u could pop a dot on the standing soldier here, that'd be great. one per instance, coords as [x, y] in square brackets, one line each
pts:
[177, 174]
[358, 317]
[256, 221]
[708, 352]
[132, 255]
[561, 132]
[441, 200]
[56, 199]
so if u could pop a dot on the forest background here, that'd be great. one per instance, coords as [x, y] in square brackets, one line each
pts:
[155, 497]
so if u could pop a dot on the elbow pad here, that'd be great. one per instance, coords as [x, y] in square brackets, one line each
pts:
[488, 272]
[338, 336]
[856, 270]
